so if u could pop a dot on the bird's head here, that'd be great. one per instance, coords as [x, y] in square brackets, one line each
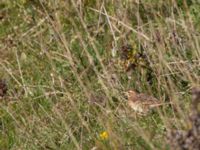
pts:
[131, 94]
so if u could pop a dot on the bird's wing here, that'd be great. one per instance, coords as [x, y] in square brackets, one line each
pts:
[144, 97]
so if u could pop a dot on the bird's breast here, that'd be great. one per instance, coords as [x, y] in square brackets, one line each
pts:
[136, 106]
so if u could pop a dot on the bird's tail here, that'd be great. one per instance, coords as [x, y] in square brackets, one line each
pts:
[160, 104]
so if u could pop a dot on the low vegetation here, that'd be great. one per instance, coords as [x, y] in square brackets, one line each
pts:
[65, 65]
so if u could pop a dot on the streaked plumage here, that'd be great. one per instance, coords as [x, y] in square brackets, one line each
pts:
[142, 103]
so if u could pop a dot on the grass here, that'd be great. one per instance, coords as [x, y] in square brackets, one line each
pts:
[59, 56]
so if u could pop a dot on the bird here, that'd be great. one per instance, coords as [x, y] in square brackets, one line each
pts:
[142, 103]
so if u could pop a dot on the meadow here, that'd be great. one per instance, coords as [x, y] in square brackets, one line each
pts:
[67, 64]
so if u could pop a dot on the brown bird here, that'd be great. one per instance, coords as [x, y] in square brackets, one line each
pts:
[142, 103]
[3, 88]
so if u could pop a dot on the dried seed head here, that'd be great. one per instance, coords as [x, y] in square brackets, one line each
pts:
[195, 98]
[195, 94]
[3, 88]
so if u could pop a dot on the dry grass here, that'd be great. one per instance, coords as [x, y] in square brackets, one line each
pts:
[61, 61]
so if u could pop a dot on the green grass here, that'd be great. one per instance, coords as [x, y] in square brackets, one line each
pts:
[54, 55]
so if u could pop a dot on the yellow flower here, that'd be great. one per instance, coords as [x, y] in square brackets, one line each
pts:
[104, 135]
